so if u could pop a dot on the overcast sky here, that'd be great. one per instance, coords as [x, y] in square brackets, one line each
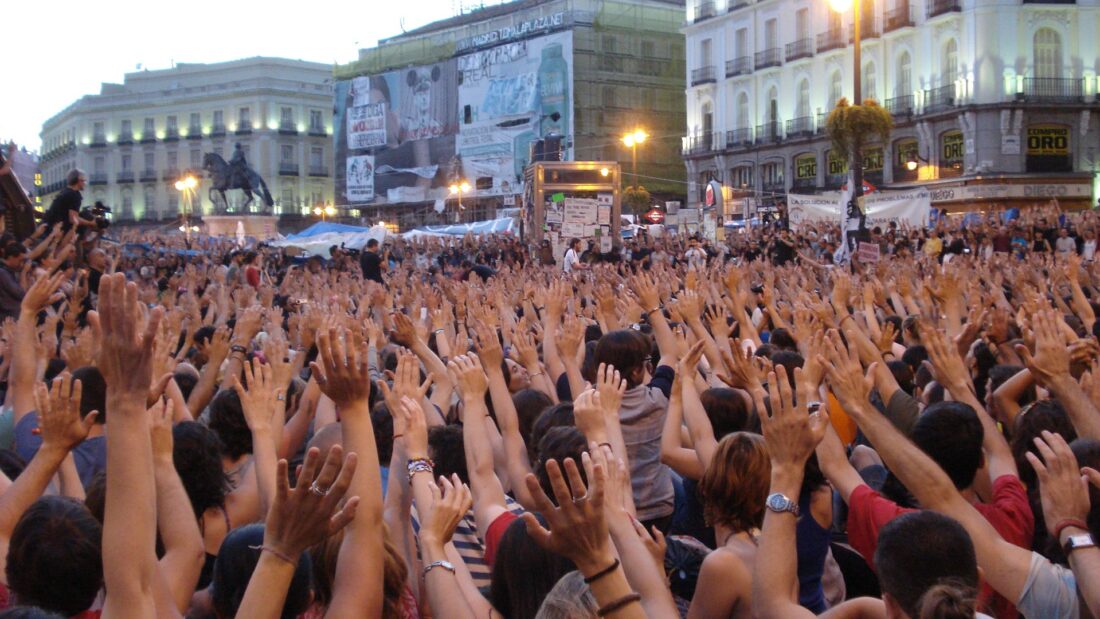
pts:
[54, 52]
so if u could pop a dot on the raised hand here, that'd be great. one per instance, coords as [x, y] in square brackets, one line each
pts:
[611, 387]
[846, 378]
[488, 346]
[791, 432]
[577, 524]
[342, 371]
[468, 377]
[42, 293]
[307, 514]
[742, 371]
[415, 427]
[571, 338]
[451, 501]
[160, 429]
[404, 331]
[260, 397]
[124, 337]
[406, 380]
[59, 413]
[1050, 361]
[1063, 488]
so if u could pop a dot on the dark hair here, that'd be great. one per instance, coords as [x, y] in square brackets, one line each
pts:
[93, 395]
[726, 409]
[1000, 374]
[448, 452]
[54, 556]
[186, 381]
[914, 356]
[627, 350]
[788, 359]
[14, 249]
[197, 455]
[781, 338]
[27, 612]
[382, 421]
[204, 334]
[558, 415]
[1087, 452]
[951, 434]
[558, 444]
[372, 243]
[926, 562]
[523, 573]
[227, 420]
[529, 404]
[11, 463]
[54, 367]
[1029, 424]
[903, 374]
[237, 559]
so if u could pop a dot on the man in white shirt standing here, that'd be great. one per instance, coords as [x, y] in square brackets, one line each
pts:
[695, 256]
[572, 259]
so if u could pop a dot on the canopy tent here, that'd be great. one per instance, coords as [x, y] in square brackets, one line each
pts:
[318, 238]
[504, 225]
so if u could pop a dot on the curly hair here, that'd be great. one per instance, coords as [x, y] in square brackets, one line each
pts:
[735, 485]
[196, 452]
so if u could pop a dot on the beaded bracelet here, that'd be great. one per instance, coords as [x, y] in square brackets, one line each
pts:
[420, 465]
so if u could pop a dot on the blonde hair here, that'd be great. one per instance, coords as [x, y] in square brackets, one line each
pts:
[569, 599]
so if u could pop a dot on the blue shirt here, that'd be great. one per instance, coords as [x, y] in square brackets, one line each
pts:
[90, 456]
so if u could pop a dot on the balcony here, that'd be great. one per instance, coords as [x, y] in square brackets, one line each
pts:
[769, 133]
[940, 7]
[802, 48]
[172, 134]
[125, 177]
[868, 29]
[738, 4]
[800, 127]
[831, 39]
[243, 129]
[739, 66]
[218, 131]
[704, 10]
[775, 186]
[125, 139]
[939, 99]
[98, 141]
[900, 106]
[318, 170]
[288, 169]
[699, 144]
[703, 75]
[739, 138]
[97, 178]
[194, 133]
[1052, 90]
[288, 128]
[318, 132]
[767, 58]
[149, 137]
[148, 176]
[171, 174]
[896, 19]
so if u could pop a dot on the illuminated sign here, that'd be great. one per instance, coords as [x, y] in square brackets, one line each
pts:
[838, 164]
[951, 148]
[1048, 140]
[873, 159]
[805, 167]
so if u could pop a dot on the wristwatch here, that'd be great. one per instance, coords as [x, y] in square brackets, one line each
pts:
[1076, 542]
[447, 565]
[779, 504]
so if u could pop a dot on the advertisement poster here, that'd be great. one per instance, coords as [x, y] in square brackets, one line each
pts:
[360, 175]
[509, 96]
[407, 121]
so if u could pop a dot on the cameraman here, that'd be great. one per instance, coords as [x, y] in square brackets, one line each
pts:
[65, 208]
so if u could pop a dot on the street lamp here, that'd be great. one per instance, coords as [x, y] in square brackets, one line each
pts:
[457, 189]
[631, 141]
[186, 186]
[856, 163]
[323, 212]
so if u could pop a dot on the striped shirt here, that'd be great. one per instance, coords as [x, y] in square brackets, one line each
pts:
[470, 546]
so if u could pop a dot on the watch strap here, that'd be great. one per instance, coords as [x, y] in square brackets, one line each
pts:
[1077, 542]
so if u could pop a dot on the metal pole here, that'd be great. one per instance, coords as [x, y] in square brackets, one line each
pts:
[634, 163]
[857, 155]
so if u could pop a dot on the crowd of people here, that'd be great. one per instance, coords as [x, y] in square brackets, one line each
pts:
[464, 428]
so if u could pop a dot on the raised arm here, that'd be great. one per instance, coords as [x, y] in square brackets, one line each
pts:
[262, 404]
[1049, 365]
[22, 376]
[646, 289]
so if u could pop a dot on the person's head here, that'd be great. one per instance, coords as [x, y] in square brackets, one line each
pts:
[97, 259]
[627, 350]
[523, 573]
[927, 567]
[237, 559]
[372, 245]
[559, 444]
[197, 455]
[951, 434]
[570, 598]
[395, 573]
[447, 452]
[75, 179]
[28, 612]
[575, 244]
[560, 414]
[93, 395]
[729, 410]
[782, 339]
[529, 404]
[15, 254]
[518, 378]
[54, 556]
[1030, 422]
[227, 420]
[735, 485]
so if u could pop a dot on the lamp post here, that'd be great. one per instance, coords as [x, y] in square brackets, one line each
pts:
[186, 186]
[631, 141]
[325, 211]
[856, 162]
[457, 189]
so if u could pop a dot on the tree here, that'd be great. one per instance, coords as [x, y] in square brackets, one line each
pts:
[637, 199]
[850, 127]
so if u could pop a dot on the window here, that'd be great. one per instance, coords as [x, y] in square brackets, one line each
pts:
[743, 120]
[608, 96]
[772, 173]
[802, 24]
[803, 109]
[316, 157]
[286, 116]
[949, 67]
[741, 42]
[773, 106]
[150, 127]
[149, 165]
[97, 129]
[244, 118]
[649, 49]
[126, 163]
[126, 130]
[315, 122]
[868, 86]
[608, 43]
[196, 158]
[286, 153]
[98, 167]
[834, 21]
[836, 86]
[741, 177]
[172, 123]
[903, 87]
[127, 203]
[708, 121]
[705, 52]
[219, 119]
[173, 160]
[771, 34]
[1047, 45]
[196, 120]
[150, 200]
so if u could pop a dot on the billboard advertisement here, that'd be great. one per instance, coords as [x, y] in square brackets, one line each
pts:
[399, 125]
[508, 96]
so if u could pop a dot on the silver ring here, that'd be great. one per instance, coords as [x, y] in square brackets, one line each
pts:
[280, 397]
[315, 489]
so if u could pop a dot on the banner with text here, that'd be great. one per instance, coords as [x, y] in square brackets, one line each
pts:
[904, 207]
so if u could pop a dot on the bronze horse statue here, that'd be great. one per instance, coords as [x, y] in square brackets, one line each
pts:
[225, 177]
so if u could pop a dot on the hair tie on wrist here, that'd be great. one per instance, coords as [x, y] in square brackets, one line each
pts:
[276, 553]
[618, 604]
[604, 572]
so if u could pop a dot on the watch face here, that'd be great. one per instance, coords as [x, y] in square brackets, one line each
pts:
[778, 503]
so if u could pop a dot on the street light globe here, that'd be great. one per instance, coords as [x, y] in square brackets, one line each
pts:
[840, 6]
[317, 210]
[454, 189]
[604, 171]
[640, 136]
[911, 165]
[464, 186]
[628, 140]
[330, 210]
[190, 182]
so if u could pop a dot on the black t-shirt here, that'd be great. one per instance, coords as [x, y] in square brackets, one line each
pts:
[371, 263]
[68, 200]
[782, 253]
[483, 271]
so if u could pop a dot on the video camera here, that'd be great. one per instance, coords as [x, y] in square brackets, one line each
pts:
[97, 213]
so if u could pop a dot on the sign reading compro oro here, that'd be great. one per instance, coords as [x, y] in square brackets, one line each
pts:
[952, 147]
[805, 166]
[1048, 140]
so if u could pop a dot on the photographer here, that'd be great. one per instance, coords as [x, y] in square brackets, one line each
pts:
[65, 208]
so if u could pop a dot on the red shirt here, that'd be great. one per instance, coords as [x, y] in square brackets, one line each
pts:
[1009, 513]
[494, 533]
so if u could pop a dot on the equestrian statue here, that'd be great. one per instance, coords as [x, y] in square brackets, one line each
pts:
[234, 175]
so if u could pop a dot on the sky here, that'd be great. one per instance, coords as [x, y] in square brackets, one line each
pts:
[55, 52]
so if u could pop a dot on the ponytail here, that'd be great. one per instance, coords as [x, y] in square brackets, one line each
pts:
[949, 599]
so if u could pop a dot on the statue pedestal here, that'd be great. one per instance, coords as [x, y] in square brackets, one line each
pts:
[262, 227]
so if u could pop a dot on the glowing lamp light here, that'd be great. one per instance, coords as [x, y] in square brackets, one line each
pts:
[187, 183]
[840, 6]
[160, 135]
[911, 165]
[330, 210]
[257, 126]
[634, 138]
[604, 172]
[462, 187]
[272, 125]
